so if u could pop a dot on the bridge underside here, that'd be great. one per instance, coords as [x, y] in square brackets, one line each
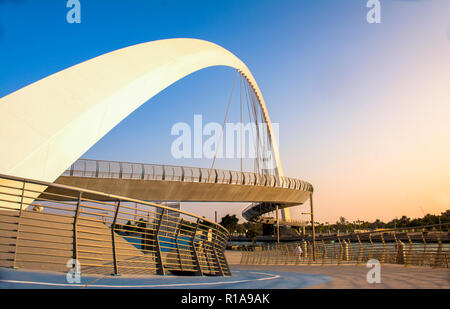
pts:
[158, 190]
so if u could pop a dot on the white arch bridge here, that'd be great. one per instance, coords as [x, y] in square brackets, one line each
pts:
[46, 126]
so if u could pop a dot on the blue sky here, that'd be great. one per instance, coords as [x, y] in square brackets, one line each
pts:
[348, 94]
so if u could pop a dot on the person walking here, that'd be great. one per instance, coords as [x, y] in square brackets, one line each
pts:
[299, 251]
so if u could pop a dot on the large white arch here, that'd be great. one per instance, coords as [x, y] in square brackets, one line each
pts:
[46, 126]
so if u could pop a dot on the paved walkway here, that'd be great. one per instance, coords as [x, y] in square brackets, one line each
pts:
[354, 277]
[246, 277]
[241, 279]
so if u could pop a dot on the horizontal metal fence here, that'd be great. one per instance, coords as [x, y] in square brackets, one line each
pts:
[41, 230]
[345, 251]
[128, 170]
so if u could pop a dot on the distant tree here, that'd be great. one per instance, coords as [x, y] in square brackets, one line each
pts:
[128, 227]
[141, 225]
[229, 222]
[117, 226]
[445, 216]
[253, 229]
[240, 228]
[342, 221]
[251, 233]
[403, 222]
[341, 224]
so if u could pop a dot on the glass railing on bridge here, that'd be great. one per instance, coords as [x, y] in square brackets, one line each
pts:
[142, 171]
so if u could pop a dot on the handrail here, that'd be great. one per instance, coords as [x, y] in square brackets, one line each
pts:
[402, 246]
[97, 169]
[105, 195]
[97, 233]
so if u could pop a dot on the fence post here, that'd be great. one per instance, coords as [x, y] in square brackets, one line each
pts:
[334, 251]
[325, 253]
[75, 227]
[177, 235]
[341, 251]
[438, 256]
[372, 249]
[18, 226]
[278, 253]
[200, 271]
[383, 253]
[409, 256]
[243, 255]
[261, 256]
[424, 248]
[113, 238]
[397, 250]
[346, 257]
[401, 256]
[216, 256]
[158, 247]
[360, 251]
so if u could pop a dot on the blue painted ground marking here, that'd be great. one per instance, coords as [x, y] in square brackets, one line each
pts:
[241, 279]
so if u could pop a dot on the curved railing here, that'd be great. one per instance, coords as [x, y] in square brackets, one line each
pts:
[142, 171]
[254, 211]
[47, 231]
[416, 246]
[273, 221]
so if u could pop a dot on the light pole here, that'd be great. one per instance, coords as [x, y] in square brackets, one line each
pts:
[312, 225]
[313, 229]
[278, 225]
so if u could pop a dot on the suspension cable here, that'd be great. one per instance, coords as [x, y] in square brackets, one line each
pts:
[247, 99]
[255, 115]
[224, 121]
[241, 125]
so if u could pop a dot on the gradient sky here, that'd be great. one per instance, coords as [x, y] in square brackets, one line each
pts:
[364, 109]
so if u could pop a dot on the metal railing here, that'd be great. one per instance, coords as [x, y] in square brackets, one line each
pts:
[273, 221]
[400, 246]
[142, 171]
[107, 235]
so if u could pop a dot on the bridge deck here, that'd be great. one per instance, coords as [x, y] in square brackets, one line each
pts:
[186, 184]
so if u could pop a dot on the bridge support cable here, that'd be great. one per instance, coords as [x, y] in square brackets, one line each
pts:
[240, 116]
[255, 135]
[257, 168]
[225, 120]
[253, 118]
[261, 134]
